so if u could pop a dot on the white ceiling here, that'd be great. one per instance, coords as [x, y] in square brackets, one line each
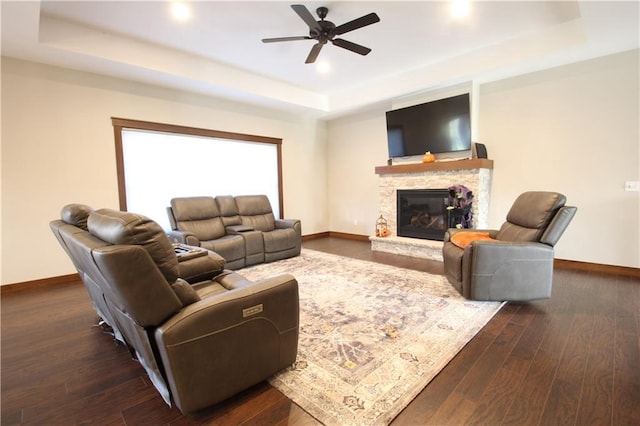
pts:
[416, 46]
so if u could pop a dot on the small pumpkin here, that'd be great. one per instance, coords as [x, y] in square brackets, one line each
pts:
[428, 157]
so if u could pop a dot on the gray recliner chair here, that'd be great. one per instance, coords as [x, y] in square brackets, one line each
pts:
[514, 263]
[199, 342]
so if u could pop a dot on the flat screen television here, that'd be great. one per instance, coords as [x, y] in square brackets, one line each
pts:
[439, 126]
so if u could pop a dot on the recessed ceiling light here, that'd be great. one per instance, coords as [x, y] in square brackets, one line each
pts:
[180, 11]
[460, 8]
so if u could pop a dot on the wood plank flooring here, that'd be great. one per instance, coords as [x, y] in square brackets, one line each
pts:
[571, 360]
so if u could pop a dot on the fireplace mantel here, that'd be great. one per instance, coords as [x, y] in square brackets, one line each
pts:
[476, 163]
[475, 174]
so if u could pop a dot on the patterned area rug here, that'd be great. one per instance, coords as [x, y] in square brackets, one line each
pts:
[372, 336]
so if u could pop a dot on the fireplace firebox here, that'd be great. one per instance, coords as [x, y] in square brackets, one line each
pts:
[423, 213]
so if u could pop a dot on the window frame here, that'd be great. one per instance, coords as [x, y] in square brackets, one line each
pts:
[120, 124]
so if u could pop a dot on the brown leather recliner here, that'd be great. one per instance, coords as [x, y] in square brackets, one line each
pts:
[199, 343]
[514, 263]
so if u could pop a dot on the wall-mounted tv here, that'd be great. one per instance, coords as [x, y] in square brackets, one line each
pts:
[439, 126]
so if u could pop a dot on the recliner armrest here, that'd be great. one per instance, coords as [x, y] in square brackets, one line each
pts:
[504, 270]
[201, 268]
[288, 223]
[183, 237]
[509, 249]
[558, 225]
[278, 295]
[238, 337]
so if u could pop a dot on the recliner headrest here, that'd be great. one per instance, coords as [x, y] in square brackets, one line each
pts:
[227, 205]
[128, 228]
[535, 209]
[530, 215]
[194, 208]
[249, 205]
[76, 215]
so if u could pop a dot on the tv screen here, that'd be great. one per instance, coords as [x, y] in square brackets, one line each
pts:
[439, 126]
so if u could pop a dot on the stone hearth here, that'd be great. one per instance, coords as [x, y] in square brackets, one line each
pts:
[474, 174]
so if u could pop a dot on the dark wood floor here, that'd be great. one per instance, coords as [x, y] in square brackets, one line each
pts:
[570, 360]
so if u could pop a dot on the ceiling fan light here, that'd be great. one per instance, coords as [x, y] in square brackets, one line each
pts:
[323, 67]
[460, 8]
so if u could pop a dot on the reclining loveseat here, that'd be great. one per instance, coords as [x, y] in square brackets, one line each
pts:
[242, 229]
[201, 332]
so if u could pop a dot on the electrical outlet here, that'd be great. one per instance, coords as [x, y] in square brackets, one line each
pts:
[632, 185]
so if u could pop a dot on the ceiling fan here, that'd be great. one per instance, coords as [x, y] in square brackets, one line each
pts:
[325, 31]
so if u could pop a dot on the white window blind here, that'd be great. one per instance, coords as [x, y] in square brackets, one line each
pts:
[160, 166]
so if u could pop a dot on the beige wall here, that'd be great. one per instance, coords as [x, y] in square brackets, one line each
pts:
[357, 144]
[572, 129]
[58, 147]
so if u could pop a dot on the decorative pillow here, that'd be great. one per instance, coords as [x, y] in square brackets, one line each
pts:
[185, 292]
[463, 239]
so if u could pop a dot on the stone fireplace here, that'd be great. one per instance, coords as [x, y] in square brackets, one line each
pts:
[474, 174]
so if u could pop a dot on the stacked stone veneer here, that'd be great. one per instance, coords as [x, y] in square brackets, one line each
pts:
[477, 180]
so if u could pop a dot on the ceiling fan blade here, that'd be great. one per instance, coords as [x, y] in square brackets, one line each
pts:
[313, 55]
[306, 16]
[351, 46]
[360, 22]
[276, 39]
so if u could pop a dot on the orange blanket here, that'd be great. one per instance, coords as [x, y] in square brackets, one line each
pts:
[463, 239]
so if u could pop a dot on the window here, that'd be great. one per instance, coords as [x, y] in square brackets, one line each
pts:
[157, 162]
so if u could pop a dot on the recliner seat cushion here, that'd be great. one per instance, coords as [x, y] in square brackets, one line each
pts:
[127, 228]
[231, 247]
[279, 240]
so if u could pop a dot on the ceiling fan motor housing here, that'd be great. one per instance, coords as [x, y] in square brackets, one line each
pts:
[325, 34]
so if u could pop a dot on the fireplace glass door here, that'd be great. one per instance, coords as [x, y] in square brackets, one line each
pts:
[423, 213]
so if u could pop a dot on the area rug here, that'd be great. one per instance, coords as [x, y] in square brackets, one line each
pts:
[372, 336]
